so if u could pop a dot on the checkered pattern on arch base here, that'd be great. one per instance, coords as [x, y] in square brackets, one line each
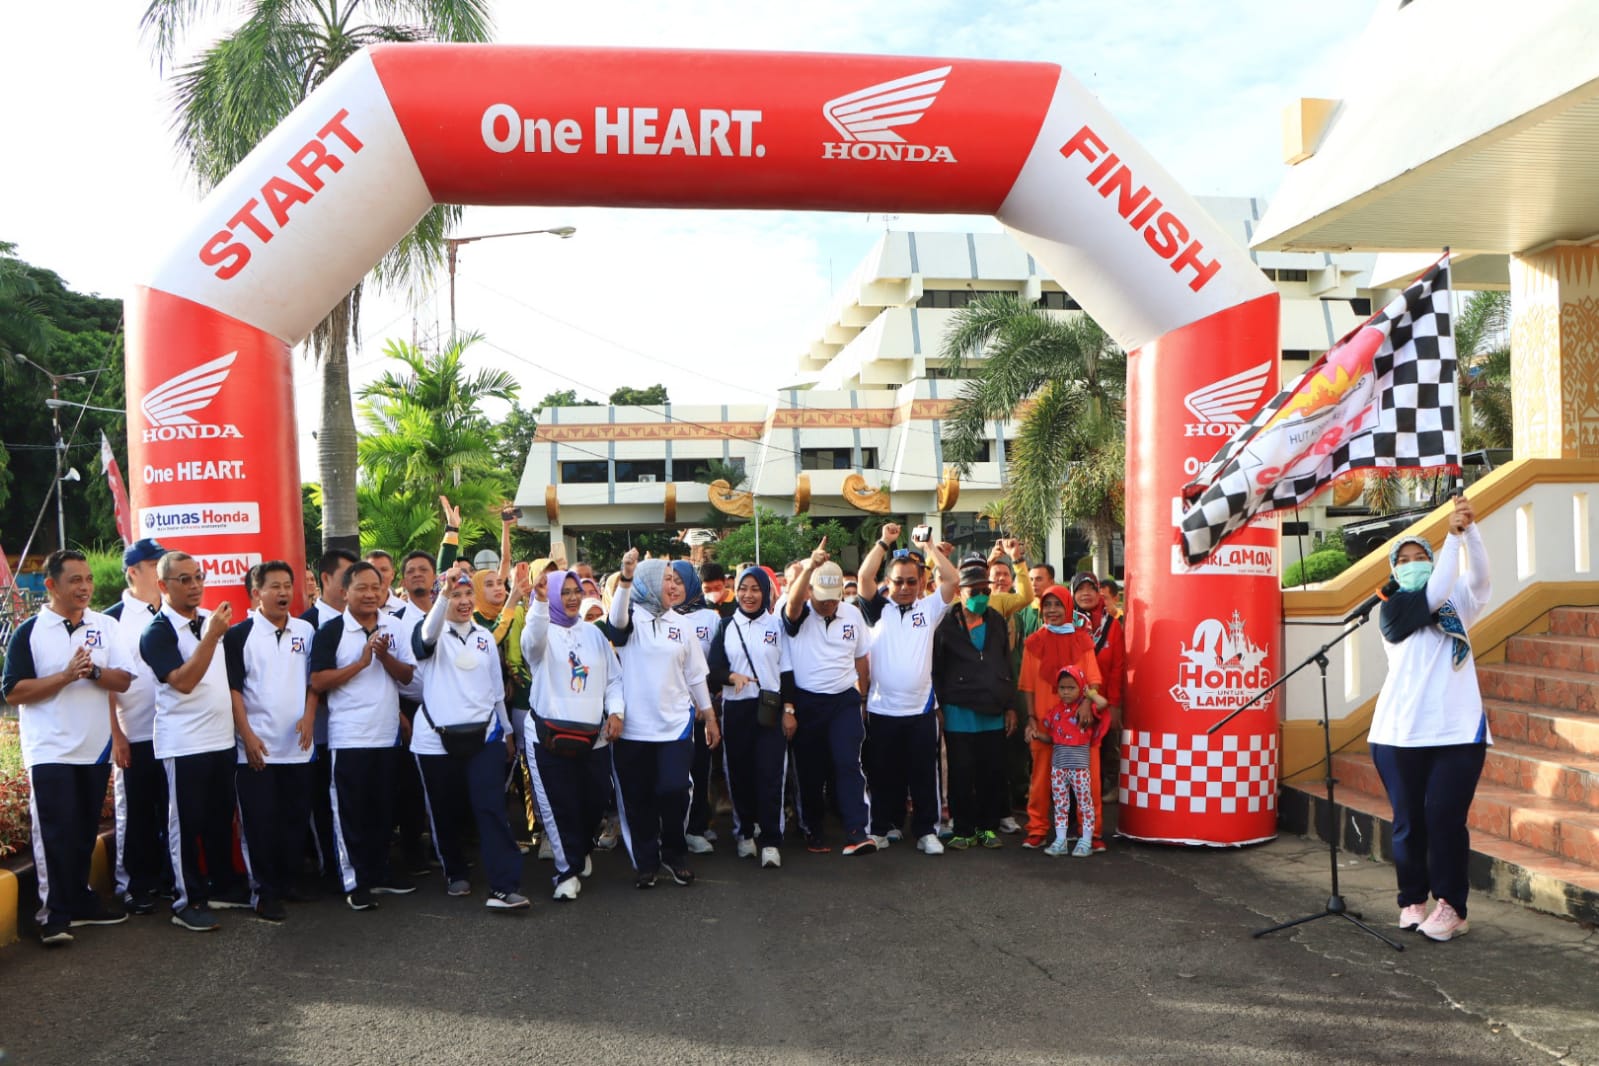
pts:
[1199, 774]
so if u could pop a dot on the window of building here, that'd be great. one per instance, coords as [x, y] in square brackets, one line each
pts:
[836, 458]
[1285, 274]
[640, 470]
[1058, 301]
[585, 472]
[694, 469]
[953, 297]
[1300, 354]
[984, 453]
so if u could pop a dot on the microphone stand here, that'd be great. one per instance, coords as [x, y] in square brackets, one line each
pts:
[1335, 906]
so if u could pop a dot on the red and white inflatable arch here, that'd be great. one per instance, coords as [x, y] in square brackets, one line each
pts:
[211, 426]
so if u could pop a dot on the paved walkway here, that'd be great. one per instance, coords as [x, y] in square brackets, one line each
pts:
[1141, 955]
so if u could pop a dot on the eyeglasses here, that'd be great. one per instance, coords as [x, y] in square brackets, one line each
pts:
[187, 579]
[900, 582]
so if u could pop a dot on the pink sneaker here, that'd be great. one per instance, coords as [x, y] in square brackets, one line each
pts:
[1444, 924]
[1412, 916]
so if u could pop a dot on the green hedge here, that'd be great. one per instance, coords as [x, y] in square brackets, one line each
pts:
[1318, 566]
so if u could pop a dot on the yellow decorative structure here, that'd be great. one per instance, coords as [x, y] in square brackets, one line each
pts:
[1554, 341]
[1347, 489]
[552, 505]
[802, 493]
[949, 490]
[861, 496]
[730, 501]
[670, 507]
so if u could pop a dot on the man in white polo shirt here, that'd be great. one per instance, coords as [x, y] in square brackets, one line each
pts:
[194, 741]
[900, 718]
[329, 605]
[359, 661]
[828, 646]
[139, 781]
[58, 676]
[268, 657]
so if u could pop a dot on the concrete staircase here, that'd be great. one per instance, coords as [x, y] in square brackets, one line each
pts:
[1535, 820]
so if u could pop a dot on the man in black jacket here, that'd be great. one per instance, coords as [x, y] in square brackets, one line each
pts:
[976, 692]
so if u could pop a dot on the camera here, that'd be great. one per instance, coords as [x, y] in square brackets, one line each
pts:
[921, 534]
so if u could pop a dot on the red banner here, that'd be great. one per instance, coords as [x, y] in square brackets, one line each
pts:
[119, 491]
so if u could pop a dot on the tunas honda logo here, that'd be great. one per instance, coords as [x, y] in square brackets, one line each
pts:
[1222, 405]
[869, 120]
[168, 406]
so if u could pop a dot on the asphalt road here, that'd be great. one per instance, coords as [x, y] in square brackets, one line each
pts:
[1139, 955]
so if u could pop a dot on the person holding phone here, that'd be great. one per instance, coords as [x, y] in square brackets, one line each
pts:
[1429, 734]
[901, 724]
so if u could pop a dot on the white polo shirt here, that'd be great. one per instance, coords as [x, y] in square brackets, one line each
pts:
[202, 720]
[663, 677]
[577, 676]
[768, 654]
[824, 651]
[74, 725]
[902, 657]
[135, 707]
[364, 712]
[270, 668]
[461, 681]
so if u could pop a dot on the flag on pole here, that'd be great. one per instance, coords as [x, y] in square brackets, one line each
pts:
[119, 491]
[1384, 396]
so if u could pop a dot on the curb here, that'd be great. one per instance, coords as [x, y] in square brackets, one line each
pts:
[21, 884]
[1372, 836]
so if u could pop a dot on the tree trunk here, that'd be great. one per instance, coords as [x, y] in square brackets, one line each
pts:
[336, 440]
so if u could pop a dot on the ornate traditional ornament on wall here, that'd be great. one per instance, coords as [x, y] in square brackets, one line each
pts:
[949, 490]
[730, 501]
[861, 496]
[802, 493]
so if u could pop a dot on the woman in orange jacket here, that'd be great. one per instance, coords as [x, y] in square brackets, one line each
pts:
[1058, 643]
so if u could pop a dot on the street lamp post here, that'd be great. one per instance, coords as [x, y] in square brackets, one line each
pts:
[453, 243]
[55, 404]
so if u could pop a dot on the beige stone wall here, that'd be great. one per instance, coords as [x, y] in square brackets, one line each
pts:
[1554, 340]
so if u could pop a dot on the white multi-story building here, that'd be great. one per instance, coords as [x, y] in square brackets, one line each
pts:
[860, 431]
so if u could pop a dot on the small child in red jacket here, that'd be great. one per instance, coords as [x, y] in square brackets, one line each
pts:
[1073, 726]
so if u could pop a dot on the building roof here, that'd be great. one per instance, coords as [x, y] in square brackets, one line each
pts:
[1471, 124]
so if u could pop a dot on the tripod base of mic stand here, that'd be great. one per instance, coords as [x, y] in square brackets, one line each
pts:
[1335, 908]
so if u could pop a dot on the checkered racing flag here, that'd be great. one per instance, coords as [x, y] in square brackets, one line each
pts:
[1384, 396]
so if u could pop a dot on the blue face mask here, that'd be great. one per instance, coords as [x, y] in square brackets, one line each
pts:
[1062, 630]
[1414, 575]
[977, 604]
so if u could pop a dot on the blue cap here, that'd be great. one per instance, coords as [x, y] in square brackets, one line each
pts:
[141, 550]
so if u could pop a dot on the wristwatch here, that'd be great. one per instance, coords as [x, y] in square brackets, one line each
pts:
[94, 673]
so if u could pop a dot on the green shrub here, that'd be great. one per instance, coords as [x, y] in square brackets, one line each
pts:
[109, 579]
[15, 822]
[1317, 566]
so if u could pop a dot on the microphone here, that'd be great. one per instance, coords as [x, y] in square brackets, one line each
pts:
[1363, 612]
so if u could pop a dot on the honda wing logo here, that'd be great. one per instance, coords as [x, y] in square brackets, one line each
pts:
[1222, 405]
[169, 405]
[870, 120]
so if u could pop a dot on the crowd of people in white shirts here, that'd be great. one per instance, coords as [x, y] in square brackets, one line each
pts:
[601, 707]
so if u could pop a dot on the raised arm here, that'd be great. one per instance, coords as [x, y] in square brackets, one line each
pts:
[948, 576]
[866, 573]
[621, 615]
[799, 593]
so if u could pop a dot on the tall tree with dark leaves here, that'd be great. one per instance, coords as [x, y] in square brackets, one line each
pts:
[237, 90]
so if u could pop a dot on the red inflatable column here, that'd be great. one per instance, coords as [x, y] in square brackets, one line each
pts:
[213, 464]
[1201, 641]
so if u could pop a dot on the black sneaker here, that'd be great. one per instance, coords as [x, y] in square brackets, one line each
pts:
[679, 870]
[270, 910]
[140, 902]
[101, 915]
[863, 846]
[361, 900]
[644, 880]
[55, 934]
[197, 918]
[816, 846]
[232, 899]
[506, 901]
[393, 886]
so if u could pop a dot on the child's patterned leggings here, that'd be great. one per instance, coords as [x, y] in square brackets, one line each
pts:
[1062, 784]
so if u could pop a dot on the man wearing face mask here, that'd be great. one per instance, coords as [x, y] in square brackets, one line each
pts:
[828, 645]
[1429, 734]
[976, 691]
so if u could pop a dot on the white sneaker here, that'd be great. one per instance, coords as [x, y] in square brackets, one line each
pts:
[588, 866]
[544, 849]
[1443, 924]
[1008, 825]
[746, 848]
[568, 889]
[771, 858]
[698, 845]
[608, 834]
[710, 834]
[930, 845]
[1411, 917]
[881, 842]
[895, 836]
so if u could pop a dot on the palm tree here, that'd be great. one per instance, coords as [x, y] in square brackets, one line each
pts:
[1482, 344]
[238, 90]
[22, 323]
[1066, 460]
[426, 435]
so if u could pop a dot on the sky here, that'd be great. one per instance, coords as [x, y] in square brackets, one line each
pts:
[716, 305]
